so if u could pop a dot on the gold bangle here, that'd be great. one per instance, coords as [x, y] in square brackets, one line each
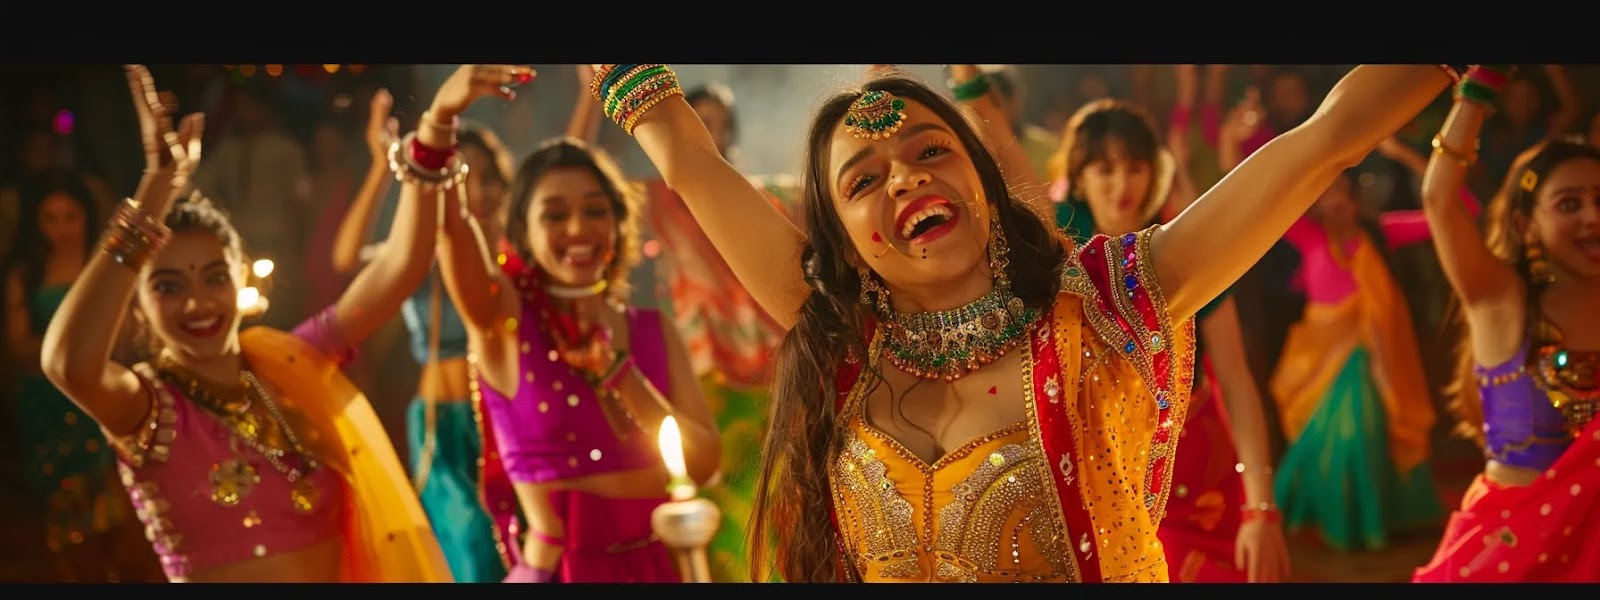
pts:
[1244, 469]
[1464, 159]
[638, 113]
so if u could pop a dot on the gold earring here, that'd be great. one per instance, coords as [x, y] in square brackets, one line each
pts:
[1539, 272]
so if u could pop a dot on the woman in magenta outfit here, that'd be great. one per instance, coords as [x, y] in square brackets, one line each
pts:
[570, 384]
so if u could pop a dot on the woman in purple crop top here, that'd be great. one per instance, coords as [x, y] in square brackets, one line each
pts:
[1529, 371]
[249, 456]
[571, 385]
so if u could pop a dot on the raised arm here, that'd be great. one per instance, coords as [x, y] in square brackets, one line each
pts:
[478, 289]
[352, 235]
[971, 88]
[1208, 247]
[76, 351]
[585, 123]
[1566, 114]
[759, 243]
[1490, 291]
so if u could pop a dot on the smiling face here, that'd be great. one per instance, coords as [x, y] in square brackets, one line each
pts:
[912, 203]
[1566, 217]
[189, 296]
[572, 226]
[62, 220]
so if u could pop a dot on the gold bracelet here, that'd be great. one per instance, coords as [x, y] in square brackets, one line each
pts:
[638, 113]
[1244, 469]
[133, 235]
[1464, 159]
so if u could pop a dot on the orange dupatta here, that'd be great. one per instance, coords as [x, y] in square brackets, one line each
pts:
[387, 536]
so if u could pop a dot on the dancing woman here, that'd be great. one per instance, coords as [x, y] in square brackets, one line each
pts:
[963, 395]
[1221, 524]
[250, 456]
[1529, 368]
[1352, 394]
[440, 428]
[569, 382]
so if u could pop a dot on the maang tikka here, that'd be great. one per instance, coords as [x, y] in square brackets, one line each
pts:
[875, 115]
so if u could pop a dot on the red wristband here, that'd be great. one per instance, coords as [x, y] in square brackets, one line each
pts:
[430, 158]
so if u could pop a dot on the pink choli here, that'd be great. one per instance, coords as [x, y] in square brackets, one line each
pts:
[172, 467]
[1323, 279]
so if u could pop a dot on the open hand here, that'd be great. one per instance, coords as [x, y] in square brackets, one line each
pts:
[165, 150]
[382, 129]
[1261, 551]
[471, 82]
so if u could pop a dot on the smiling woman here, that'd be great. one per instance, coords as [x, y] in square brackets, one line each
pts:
[1024, 431]
[296, 480]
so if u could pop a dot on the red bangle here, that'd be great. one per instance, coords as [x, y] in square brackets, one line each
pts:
[1487, 76]
[615, 379]
[430, 158]
[1263, 511]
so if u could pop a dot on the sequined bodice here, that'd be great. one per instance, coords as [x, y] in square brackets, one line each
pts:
[982, 513]
[208, 501]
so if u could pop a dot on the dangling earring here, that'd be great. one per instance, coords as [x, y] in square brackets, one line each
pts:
[999, 255]
[1539, 272]
[873, 294]
[999, 261]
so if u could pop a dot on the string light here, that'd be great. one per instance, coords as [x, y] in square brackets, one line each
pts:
[247, 70]
[262, 268]
[274, 70]
[248, 298]
[331, 68]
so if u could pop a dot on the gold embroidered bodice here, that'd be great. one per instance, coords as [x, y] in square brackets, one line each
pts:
[982, 513]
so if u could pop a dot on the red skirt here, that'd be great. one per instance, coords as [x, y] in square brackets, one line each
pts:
[1202, 521]
[1543, 533]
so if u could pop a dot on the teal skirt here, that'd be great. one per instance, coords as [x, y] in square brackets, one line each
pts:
[450, 495]
[68, 468]
[1338, 478]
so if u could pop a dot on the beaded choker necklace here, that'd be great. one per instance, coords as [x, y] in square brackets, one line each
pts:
[1570, 377]
[952, 343]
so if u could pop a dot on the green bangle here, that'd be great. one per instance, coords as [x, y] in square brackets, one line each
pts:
[972, 89]
[1478, 92]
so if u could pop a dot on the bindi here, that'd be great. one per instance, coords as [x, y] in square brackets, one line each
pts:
[191, 267]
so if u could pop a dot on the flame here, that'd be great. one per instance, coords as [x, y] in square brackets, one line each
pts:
[671, 444]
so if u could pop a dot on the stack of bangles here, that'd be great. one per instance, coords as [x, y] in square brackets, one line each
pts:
[1266, 511]
[416, 163]
[611, 379]
[134, 235]
[971, 89]
[1480, 84]
[627, 92]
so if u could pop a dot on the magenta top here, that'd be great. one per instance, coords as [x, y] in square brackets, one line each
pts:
[552, 427]
[172, 464]
[1321, 277]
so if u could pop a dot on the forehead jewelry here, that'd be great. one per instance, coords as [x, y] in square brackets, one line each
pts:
[875, 115]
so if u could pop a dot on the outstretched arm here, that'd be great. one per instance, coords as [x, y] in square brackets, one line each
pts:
[1490, 291]
[76, 351]
[760, 244]
[1208, 247]
[382, 130]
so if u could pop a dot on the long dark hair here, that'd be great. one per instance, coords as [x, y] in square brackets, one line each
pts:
[567, 152]
[792, 493]
[1509, 215]
[29, 250]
